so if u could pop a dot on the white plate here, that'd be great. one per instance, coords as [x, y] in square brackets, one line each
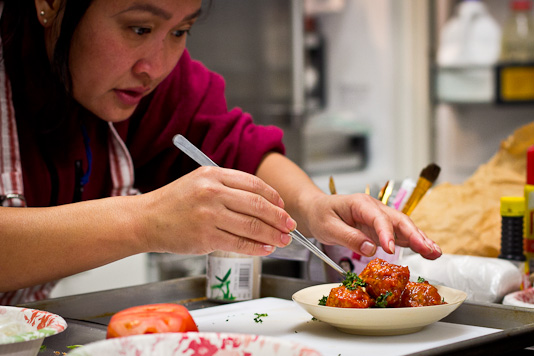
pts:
[42, 323]
[377, 321]
[523, 298]
[194, 343]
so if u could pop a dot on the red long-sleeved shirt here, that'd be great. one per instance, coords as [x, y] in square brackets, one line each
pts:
[190, 101]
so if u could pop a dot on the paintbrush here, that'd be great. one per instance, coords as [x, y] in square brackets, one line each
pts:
[427, 177]
[332, 186]
[382, 191]
[388, 191]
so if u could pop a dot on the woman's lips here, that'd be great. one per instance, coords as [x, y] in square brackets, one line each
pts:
[130, 97]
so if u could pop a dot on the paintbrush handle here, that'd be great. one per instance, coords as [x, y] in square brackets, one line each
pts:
[419, 191]
[332, 186]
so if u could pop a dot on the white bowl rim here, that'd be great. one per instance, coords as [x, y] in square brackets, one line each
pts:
[57, 324]
[377, 321]
[461, 297]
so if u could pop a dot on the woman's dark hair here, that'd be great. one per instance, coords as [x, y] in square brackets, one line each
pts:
[72, 12]
[21, 30]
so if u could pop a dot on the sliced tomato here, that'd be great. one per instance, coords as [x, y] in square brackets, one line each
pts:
[150, 319]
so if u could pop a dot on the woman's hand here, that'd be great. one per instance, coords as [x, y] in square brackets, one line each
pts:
[357, 221]
[360, 223]
[215, 209]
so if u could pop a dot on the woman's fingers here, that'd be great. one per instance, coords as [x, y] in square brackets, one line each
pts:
[408, 235]
[239, 244]
[362, 223]
[253, 216]
[217, 209]
[395, 228]
[253, 210]
[249, 183]
[421, 244]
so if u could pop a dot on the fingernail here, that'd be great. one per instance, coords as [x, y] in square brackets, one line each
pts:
[286, 239]
[391, 246]
[367, 248]
[268, 248]
[429, 246]
[291, 224]
[436, 247]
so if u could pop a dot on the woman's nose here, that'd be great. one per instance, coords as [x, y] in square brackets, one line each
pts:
[156, 62]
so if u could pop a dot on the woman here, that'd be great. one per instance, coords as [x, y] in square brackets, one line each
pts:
[99, 88]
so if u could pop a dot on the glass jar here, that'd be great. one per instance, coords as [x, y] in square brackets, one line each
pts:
[518, 34]
[232, 277]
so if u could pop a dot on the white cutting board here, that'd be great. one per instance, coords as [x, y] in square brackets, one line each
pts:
[287, 320]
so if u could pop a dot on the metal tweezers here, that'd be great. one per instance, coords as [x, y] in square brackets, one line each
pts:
[198, 156]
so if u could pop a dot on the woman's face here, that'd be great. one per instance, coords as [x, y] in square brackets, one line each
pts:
[122, 49]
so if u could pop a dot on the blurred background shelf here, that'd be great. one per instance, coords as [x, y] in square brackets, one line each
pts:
[470, 115]
[502, 84]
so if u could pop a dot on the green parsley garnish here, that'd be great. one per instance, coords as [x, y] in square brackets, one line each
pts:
[258, 317]
[352, 281]
[421, 280]
[74, 346]
[323, 300]
[381, 301]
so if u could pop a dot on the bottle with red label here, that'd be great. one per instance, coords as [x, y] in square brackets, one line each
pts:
[529, 210]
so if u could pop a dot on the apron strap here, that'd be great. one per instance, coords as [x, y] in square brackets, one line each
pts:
[11, 186]
[121, 164]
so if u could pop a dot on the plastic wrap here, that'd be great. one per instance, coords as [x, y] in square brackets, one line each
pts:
[484, 279]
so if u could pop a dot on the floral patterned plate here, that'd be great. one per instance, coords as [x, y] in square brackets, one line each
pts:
[34, 325]
[194, 344]
[523, 298]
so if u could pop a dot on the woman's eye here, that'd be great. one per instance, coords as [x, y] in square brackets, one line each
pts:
[180, 33]
[140, 30]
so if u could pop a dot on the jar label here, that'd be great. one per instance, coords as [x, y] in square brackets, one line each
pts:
[229, 279]
[517, 83]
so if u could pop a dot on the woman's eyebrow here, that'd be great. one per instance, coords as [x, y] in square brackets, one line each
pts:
[157, 11]
[194, 15]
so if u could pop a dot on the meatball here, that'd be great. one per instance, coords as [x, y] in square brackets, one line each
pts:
[382, 277]
[342, 297]
[420, 295]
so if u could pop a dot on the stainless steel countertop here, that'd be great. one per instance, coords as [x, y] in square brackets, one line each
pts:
[88, 314]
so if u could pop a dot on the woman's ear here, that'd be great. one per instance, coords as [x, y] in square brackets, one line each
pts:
[46, 11]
